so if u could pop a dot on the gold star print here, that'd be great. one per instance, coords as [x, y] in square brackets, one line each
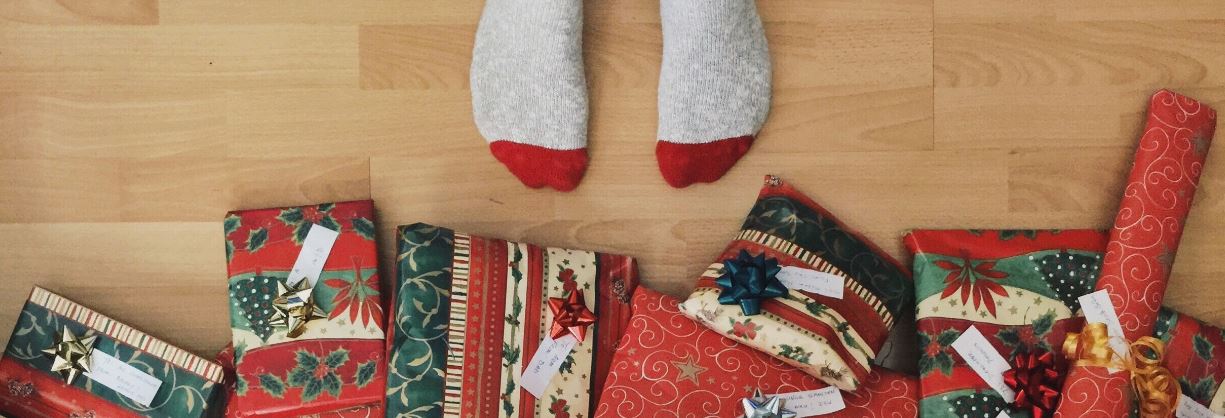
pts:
[1020, 293]
[688, 370]
[953, 302]
[1038, 300]
[1012, 310]
[964, 313]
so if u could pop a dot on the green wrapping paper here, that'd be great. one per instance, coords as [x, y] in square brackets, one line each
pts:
[1041, 275]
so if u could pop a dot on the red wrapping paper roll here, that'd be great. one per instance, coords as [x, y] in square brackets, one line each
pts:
[1143, 241]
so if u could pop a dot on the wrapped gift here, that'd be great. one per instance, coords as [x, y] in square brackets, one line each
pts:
[226, 359]
[818, 295]
[1140, 253]
[471, 315]
[65, 360]
[670, 366]
[1021, 290]
[306, 311]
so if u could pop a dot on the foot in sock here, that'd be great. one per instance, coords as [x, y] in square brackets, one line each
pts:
[714, 87]
[529, 93]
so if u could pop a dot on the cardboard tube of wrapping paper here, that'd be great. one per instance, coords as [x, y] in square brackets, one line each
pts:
[1143, 241]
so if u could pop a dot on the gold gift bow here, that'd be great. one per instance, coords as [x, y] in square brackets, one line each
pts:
[1155, 387]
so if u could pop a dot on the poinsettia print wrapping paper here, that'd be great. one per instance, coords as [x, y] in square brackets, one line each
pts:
[1039, 276]
[1140, 253]
[669, 366]
[188, 382]
[834, 339]
[338, 362]
[470, 312]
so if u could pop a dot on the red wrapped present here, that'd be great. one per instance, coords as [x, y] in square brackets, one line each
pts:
[816, 294]
[668, 365]
[1034, 280]
[65, 360]
[471, 315]
[306, 313]
[1145, 237]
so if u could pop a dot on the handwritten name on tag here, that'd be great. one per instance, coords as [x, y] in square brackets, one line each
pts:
[123, 378]
[811, 281]
[314, 253]
[1097, 308]
[988, 363]
[545, 363]
[1189, 408]
[812, 403]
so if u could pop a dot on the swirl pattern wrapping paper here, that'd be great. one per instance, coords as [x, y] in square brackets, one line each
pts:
[669, 366]
[1140, 252]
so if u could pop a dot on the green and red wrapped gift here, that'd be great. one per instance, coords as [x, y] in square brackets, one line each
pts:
[183, 384]
[469, 314]
[1020, 289]
[842, 297]
[338, 361]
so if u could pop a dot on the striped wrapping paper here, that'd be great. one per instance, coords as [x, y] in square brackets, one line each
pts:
[188, 381]
[834, 339]
[469, 312]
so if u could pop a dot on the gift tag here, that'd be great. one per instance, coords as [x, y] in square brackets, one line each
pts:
[1003, 415]
[123, 378]
[1097, 308]
[811, 281]
[1189, 408]
[812, 403]
[545, 363]
[988, 363]
[314, 253]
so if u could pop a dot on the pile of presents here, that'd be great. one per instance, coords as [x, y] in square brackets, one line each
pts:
[789, 321]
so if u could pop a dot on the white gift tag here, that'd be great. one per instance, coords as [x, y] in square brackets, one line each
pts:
[545, 363]
[988, 363]
[811, 281]
[315, 250]
[1003, 415]
[123, 378]
[1189, 408]
[1097, 308]
[811, 403]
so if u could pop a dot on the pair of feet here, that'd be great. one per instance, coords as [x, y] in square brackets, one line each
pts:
[529, 91]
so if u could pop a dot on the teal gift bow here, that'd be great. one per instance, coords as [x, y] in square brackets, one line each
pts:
[747, 280]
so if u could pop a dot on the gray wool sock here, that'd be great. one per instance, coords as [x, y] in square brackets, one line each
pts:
[527, 75]
[715, 80]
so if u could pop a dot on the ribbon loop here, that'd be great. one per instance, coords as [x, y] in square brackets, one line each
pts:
[1156, 390]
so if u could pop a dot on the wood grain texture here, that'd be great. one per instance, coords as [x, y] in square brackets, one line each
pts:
[129, 127]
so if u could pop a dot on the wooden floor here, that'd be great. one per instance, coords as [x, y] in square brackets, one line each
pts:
[129, 127]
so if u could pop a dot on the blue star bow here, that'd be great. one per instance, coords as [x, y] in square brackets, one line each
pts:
[747, 280]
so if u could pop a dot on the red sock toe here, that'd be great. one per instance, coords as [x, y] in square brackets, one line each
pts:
[685, 164]
[537, 166]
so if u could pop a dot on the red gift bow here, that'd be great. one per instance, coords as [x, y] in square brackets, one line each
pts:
[1034, 377]
[571, 315]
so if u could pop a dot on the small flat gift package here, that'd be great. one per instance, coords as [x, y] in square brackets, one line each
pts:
[1020, 291]
[65, 360]
[669, 366]
[305, 311]
[814, 293]
[485, 327]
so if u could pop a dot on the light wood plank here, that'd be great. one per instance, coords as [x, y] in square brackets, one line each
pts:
[170, 189]
[176, 58]
[119, 125]
[104, 12]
